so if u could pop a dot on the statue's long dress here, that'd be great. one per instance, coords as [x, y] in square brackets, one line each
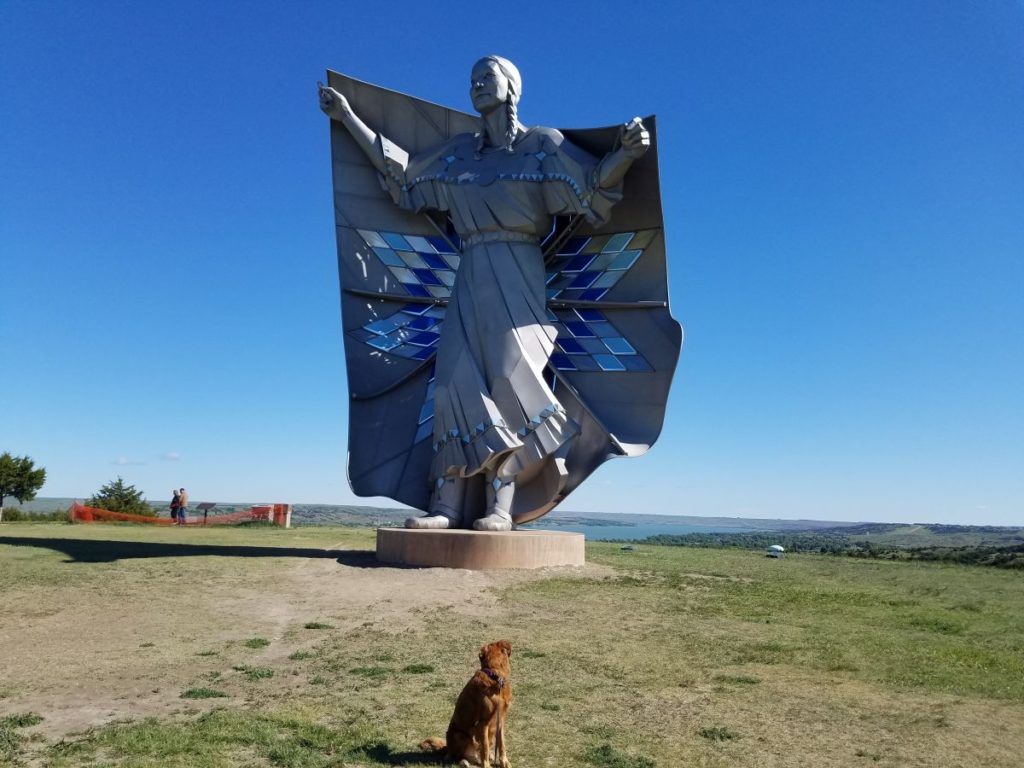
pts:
[493, 409]
[479, 337]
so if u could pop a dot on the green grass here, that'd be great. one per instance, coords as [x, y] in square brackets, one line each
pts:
[370, 671]
[718, 733]
[665, 656]
[24, 720]
[256, 642]
[317, 625]
[605, 756]
[738, 679]
[254, 673]
[203, 693]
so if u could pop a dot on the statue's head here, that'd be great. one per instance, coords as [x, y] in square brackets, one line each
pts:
[494, 82]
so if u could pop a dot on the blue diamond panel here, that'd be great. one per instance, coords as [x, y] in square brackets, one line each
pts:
[588, 342]
[586, 268]
[423, 266]
[425, 428]
[413, 332]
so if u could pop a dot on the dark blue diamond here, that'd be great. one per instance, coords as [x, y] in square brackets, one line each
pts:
[440, 244]
[434, 261]
[562, 362]
[416, 290]
[578, 263]
[571, 346]
[584, 279]
[591, 315]
[573, 246]
[425, 339]
[580, 330]
[426, 277]
[421, 323]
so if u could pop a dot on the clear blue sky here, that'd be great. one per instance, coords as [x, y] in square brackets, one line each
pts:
[844, 202]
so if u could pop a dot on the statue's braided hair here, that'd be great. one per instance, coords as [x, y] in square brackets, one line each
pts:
[513, 125]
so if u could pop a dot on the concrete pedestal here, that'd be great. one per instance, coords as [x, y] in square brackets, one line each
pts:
[479, 550]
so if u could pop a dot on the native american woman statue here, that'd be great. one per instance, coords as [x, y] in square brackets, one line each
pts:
[504, 299]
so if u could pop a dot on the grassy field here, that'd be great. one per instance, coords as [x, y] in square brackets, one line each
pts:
[262, 647]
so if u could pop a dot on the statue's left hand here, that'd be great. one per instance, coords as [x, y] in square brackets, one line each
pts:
[635, 138]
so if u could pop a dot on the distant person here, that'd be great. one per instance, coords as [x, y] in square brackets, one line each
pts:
[175, 505]
[182, 507]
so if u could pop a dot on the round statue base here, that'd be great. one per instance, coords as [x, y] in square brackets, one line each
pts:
[479, 550]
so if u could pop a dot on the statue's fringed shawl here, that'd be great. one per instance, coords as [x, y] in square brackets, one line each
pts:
[467, 352]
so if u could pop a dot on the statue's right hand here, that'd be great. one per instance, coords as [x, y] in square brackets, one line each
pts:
[333, 104]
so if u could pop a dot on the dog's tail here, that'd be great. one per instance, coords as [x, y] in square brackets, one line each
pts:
[434, 744]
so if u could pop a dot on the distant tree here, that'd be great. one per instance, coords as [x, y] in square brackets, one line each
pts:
[19, 478]
[118, 497]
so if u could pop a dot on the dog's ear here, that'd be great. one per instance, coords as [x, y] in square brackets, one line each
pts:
[506, 646]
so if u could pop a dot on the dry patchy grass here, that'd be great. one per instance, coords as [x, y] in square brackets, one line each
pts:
[657, 657]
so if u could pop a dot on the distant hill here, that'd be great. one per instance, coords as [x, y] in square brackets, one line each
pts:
[901, 535]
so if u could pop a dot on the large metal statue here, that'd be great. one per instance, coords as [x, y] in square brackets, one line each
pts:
[506, 331]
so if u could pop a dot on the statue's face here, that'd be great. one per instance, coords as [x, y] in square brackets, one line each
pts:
[488, 87]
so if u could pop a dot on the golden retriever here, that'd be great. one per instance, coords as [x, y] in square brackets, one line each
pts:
[477, 727]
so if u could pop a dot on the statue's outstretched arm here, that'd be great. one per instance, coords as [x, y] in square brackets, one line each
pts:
[336, 107]
[635, 141]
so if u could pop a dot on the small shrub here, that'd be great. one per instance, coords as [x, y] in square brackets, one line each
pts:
[533, 655]
[318, 625]
[203, 693]
[116, 496]
[718, 733]
[16, 515]
[319, 680]
[550, 707]
[146, 645]
[207, 653]
[300, 656]
[418, 669]
[257, 642]
[606, 756]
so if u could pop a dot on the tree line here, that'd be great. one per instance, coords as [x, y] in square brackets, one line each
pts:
[831, 543]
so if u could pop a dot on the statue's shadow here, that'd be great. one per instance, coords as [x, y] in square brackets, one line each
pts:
[109, 551]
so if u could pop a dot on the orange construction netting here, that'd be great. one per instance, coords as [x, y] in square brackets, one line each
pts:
[278, 514]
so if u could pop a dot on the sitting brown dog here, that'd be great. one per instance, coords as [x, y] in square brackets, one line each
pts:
[478, 723]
